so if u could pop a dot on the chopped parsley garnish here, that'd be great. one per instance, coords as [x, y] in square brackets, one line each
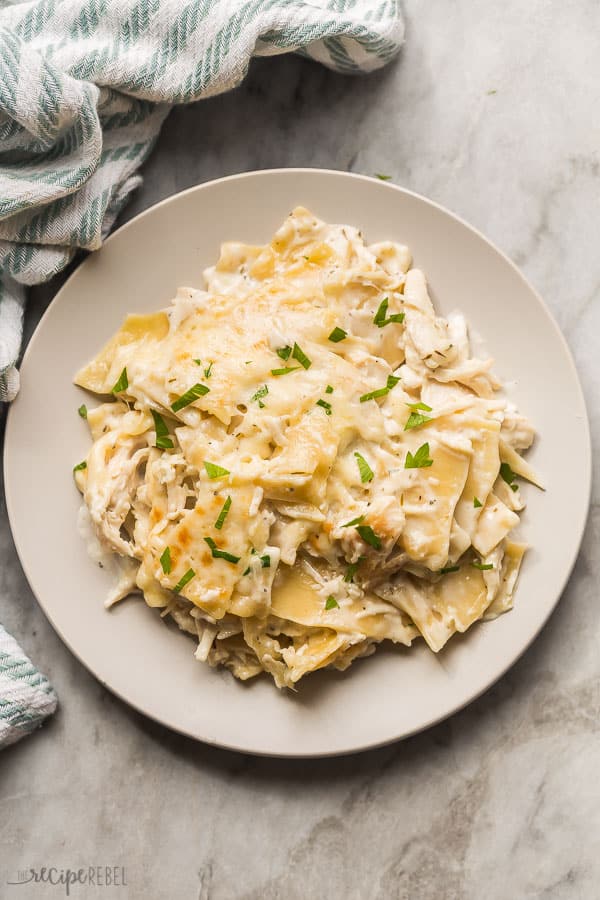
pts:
[223, 514]
[214, 471]
[381, 313]
[366, 472]
[373, 395]
[420, 460]
[163, 441]
[185, 579]
[477, 503]
[300, 355]
[351, 570]
[80, 466]
[325, 405]
[221, 554]
[420, 405]
[261, 392]
[507, 474]
[369, 536]
[284, 352]
[331, 603]
[415, 419]
[381, 317]
[265, 561]
[448, 569]
[208, 372]
[122, 382]
[198, 362]
[392, 381]
[356, 521]
[83, 411]
[482, 566]
[165, 560]
[337, 335]
[197, 390]
[383, 177]
[285, 371]
[329, 389]
[395, 317]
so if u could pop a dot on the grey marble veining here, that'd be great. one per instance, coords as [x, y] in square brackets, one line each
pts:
[492, 111]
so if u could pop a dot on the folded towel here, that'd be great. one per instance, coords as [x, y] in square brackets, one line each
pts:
[26, 696]
[85, 86]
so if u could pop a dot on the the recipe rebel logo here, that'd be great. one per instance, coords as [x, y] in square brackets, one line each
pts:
[67, 879]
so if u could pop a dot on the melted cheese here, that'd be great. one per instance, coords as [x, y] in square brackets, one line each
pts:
[260, 561]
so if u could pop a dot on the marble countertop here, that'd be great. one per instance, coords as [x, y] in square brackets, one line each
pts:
[491, 110]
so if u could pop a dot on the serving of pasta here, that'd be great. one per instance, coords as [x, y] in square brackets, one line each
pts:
[303, 460]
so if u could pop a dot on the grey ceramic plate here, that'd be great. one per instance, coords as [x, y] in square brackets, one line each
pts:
[130, 649]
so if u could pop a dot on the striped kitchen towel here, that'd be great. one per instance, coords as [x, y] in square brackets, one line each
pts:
[85, 86]
[26, 696]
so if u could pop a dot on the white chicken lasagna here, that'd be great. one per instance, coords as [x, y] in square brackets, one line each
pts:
[303, 460]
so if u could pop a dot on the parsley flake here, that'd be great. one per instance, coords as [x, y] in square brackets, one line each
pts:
[185, 579]
[261, 392]
[420, 460]
[369, 536]
[80, 466]
[223, 514]
[356, 521]
[366, 472]
[165, 560]
[383, 177]
[382, 319]
[392, 381]
[351, 570]
[373, 395]
[329, 389]
[420, 405]
[415, 420]
[197, 390]
[214, 471]
[507, 475]
[284, 353]
[477, 503]
[221, 554]
[381, 313]
[163, 441]
[331, 603]
[483, 567]
[325, 405]
[285, 371]
[300, 355]
[208, 372]
[122, 382]
[83, 411]
[337, 335]
[266, 561]
[448, 569]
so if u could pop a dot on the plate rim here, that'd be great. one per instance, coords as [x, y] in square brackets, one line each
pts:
[586, 472]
